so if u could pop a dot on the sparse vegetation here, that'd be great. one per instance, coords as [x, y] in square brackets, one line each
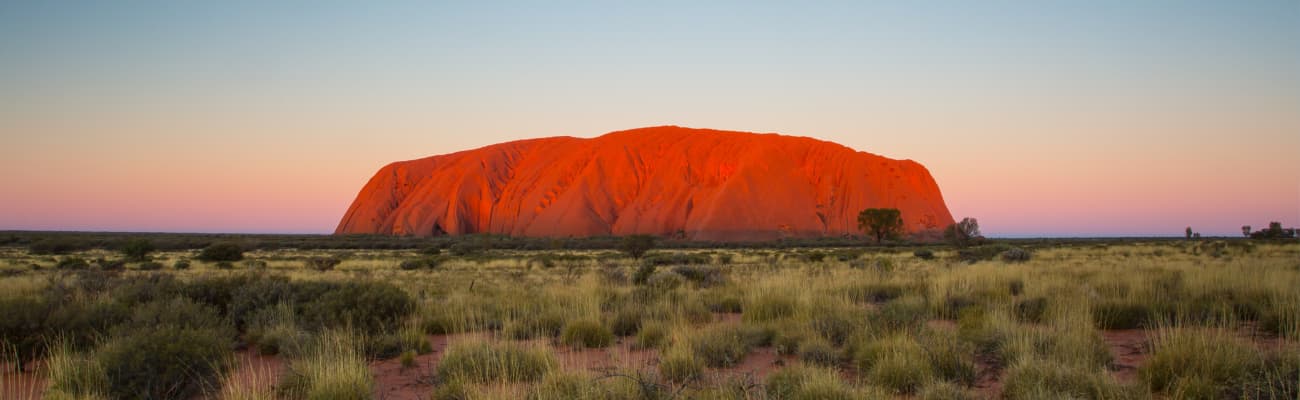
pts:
[1212, 319]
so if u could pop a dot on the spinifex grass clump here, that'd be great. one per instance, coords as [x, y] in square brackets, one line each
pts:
[813, 383]
[1032, 378]
[1206, 363]
[331, 368]
[586, 334]
[74, 375]
[485, 362]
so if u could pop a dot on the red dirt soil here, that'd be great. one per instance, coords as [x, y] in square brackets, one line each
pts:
[697, 183]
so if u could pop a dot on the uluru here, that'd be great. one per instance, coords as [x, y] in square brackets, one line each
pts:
[695, 184]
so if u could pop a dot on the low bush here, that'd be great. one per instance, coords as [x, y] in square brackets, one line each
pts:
[370, 305]
[485, 362]
[586, 334]
[149, 266]
[163, 362]
[222, 252]
[181, 265]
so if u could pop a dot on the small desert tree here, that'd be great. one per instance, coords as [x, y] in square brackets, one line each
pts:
[137, 249]
[636, 246]
[963, 233]
[881, 223]
[1189, 232]
[1245, 230]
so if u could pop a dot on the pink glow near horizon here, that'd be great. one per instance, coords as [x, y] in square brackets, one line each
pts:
[1037, 118]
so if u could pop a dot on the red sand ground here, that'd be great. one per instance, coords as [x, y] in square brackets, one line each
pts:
[703, 184]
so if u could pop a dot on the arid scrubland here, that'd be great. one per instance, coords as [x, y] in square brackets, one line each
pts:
[1172, 319]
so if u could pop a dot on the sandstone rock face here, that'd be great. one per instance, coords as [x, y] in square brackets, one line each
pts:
[697, 183]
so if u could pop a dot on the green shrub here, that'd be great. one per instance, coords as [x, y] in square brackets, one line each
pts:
[586, 334]
[370, 305]
[163, 362]
[222, 252]
[483, 362]
[149, 266]
[924, 254]
[137, 249]
[181, 265]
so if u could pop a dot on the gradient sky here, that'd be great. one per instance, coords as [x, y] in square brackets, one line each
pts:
[1037, 117]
